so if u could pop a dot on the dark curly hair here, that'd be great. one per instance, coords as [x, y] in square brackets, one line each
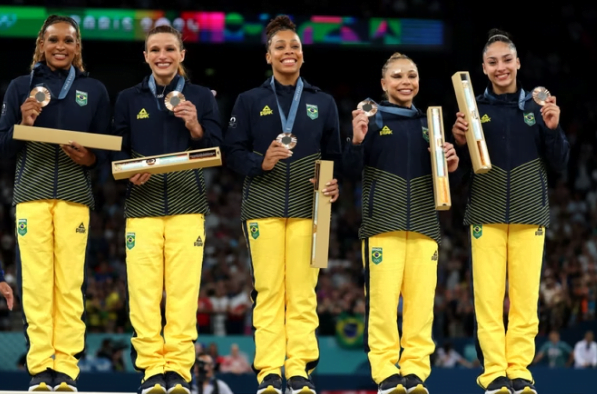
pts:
[496, 35]
[281, 22]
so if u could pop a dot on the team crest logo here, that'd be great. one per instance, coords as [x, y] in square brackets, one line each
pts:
[426, 134]
[377, 255]
[81, 98]
[477, 231]
[130, 240]
[312, 111]
[22, 227]
[529, 119]
[254, 230]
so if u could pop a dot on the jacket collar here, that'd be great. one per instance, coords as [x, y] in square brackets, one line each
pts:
[519, 98]
[306, 86]
[144, 85]
[43, 71]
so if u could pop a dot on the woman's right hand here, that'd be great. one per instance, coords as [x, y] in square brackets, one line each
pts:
[459, 129]
[275, 152]
[30, 110]
[139, 179]
[360, 125]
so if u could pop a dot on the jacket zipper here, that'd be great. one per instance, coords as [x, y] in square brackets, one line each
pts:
[371, 196]
[509, 164]
[408, 158]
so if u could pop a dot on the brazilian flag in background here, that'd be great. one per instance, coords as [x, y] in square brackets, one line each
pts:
[350, 329]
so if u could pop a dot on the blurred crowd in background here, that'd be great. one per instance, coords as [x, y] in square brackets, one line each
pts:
[569, 288]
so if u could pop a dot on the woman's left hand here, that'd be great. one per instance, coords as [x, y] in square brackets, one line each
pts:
[451, 157]
[188, 112]
[331, 189]
[79, 154]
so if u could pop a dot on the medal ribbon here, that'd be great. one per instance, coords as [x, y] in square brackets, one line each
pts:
[287, 124]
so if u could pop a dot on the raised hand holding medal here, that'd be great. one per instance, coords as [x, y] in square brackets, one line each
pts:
[549, 109]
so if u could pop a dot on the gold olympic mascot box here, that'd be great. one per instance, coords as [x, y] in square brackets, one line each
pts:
[439, 165]
[63, 137]
[322, 214]
[171, 162]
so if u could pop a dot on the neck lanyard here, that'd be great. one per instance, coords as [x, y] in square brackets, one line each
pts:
[288, 123]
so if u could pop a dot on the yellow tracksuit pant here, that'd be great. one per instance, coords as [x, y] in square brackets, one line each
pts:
[284, 299]
[399, 263]
[514, 250]
[164, 254]
[52, 241]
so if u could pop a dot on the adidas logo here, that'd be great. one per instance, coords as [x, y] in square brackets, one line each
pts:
[385, 131]
[143, 114]
[485, 119]
[81, 229]
[434, 257]
[266, 111]
[198, 242]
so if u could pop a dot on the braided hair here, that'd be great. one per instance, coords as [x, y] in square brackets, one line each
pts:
[39, 55]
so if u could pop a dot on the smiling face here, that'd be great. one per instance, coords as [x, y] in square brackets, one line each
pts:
[285, 53]
[501, 66]
[60, 45]
[401, 82]
[163, 54]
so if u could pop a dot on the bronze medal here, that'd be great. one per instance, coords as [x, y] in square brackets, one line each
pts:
[540, 95]
[173, 99]
[368, 106]
[41, 95]
[287, 140]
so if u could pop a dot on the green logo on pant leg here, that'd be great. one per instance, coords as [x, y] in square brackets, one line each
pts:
[477, 231]
[376, 255]
[529, 118]
[22, 227]
[130, 240]
[254, 230]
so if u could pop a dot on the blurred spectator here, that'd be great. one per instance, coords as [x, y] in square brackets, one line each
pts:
[212, 350]
[450, 358]
[204, 380]
[559, 354]
[585, 352]
[236, 362]
[113, 352]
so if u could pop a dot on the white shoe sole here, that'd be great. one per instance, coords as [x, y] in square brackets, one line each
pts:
[41, 387]
[304, 390]
[503, 390]
[526, 390]
[396, 390]
[179, 389]
[419, 389]
[157, 389]
[64, 387]
[269, 390]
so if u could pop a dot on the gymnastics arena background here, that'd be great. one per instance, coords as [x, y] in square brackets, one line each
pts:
[345, 45]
